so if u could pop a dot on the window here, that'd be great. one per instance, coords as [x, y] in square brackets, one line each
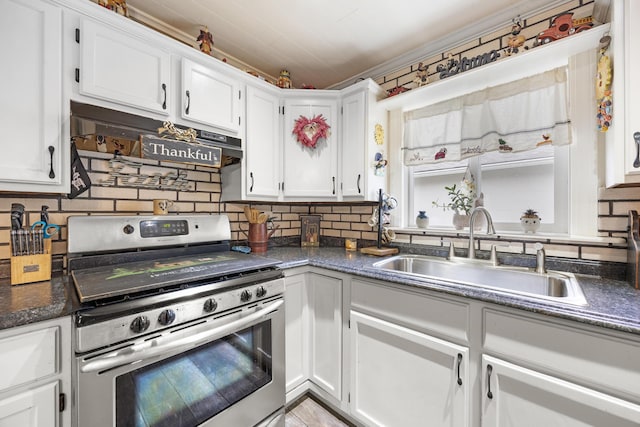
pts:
[510, 184]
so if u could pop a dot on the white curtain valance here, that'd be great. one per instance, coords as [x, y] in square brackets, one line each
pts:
[517, 116]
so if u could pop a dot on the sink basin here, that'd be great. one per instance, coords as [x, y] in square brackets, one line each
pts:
[555, 286]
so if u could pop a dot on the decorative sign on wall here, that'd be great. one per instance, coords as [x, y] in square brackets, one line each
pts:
[181, 152]
[454, 66]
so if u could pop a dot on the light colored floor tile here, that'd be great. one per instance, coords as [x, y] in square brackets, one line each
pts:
[315, 415]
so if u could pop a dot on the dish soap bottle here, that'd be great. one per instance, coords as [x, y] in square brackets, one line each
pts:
[422, 220]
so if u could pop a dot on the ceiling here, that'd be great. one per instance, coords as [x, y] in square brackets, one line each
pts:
[324, 43]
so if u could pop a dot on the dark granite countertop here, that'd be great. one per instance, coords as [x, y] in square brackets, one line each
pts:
[612, 304]
[34, 302]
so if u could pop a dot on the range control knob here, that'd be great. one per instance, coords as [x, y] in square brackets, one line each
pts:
[260, 292]
[139, 324]
[166, 317]
[128, 229]
[246, 295]
[210, 305]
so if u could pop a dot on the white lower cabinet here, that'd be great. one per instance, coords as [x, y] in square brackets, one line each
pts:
[520, 397]
[297, 325]
[32, 408]
[313, 310]
[36, 375]
[401, 377]
[325, 329]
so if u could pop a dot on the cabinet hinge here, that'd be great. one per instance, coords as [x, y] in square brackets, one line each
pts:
[239, 94]
[77, 35]
[282, 185]
[62, 402]
[238, 120]
[349, 324]
[349, 397]
[283, 110]
[77, 75]
[342, 110]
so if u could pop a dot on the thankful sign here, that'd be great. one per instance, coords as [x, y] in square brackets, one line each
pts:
[181, 152]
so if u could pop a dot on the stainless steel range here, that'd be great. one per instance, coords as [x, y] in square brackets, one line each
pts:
[174, 329]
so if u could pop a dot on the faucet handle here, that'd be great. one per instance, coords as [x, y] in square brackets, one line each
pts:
[452, 249]
[494, 252]
[541, 258]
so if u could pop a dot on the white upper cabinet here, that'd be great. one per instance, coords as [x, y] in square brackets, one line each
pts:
[311, 173]
[622, 149]
[209, 97]
[122, 68]
[262, 144]
[34, 157]
[359, 178]
[353, 144]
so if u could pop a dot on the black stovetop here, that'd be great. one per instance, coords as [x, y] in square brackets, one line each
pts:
[111, 281]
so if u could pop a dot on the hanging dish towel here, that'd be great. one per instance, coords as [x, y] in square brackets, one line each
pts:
[80, 181]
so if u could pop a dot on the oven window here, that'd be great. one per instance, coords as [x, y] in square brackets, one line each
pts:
[187, 389]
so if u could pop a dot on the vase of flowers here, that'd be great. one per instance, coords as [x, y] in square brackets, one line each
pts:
[530, 221]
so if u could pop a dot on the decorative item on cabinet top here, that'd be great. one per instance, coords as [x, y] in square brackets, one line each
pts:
[118, 6]
[205, 39]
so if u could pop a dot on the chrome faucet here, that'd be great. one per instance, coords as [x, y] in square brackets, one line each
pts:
[490, 228]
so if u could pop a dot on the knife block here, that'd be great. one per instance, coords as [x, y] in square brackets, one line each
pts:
[32, 268]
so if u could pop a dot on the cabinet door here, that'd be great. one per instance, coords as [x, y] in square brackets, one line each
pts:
[262, 144]
[310, 172]
[210, 97]
[621, 147]
[31, 408]
[401, 377]
[121, 68]
[519, 397]
[31, 33]
[296, 335]
[353, 145]
[325, 305]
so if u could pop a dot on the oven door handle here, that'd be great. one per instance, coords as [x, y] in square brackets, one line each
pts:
[164, 344]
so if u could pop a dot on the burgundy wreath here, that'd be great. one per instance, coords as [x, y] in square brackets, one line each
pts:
[308, 131]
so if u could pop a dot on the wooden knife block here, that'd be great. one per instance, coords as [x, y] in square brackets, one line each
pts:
[32, 268]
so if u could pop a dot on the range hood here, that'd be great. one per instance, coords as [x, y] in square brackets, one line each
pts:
[89, 119]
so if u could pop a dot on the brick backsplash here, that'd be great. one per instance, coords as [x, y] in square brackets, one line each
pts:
[337, 220]
[497, 40]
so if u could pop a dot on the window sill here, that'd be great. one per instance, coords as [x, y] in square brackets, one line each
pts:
[512, 236]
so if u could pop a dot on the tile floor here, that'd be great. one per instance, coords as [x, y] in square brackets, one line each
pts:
[309, 413]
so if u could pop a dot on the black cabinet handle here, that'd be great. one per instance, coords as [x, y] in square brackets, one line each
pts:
[358, 183]
[52, 174]
[636, 137]
[489, 371]
[459, 363]
[188, 103]
[251, 186]
[164, 103]
[333, 179]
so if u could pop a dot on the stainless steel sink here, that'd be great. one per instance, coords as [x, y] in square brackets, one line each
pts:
[555, 286]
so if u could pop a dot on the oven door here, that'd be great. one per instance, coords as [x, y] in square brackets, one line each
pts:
[225, 370]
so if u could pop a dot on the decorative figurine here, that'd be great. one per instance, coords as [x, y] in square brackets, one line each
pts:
[516, 41]
[422, 75]
[206, 41]
[118, 6]
[284, 81]
[380, 163]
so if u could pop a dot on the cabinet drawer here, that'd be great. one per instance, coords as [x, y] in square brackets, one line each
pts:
[590, 358]
[435, 315]
[26, 357]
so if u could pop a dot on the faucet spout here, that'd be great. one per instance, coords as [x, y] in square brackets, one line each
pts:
[490, 228]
